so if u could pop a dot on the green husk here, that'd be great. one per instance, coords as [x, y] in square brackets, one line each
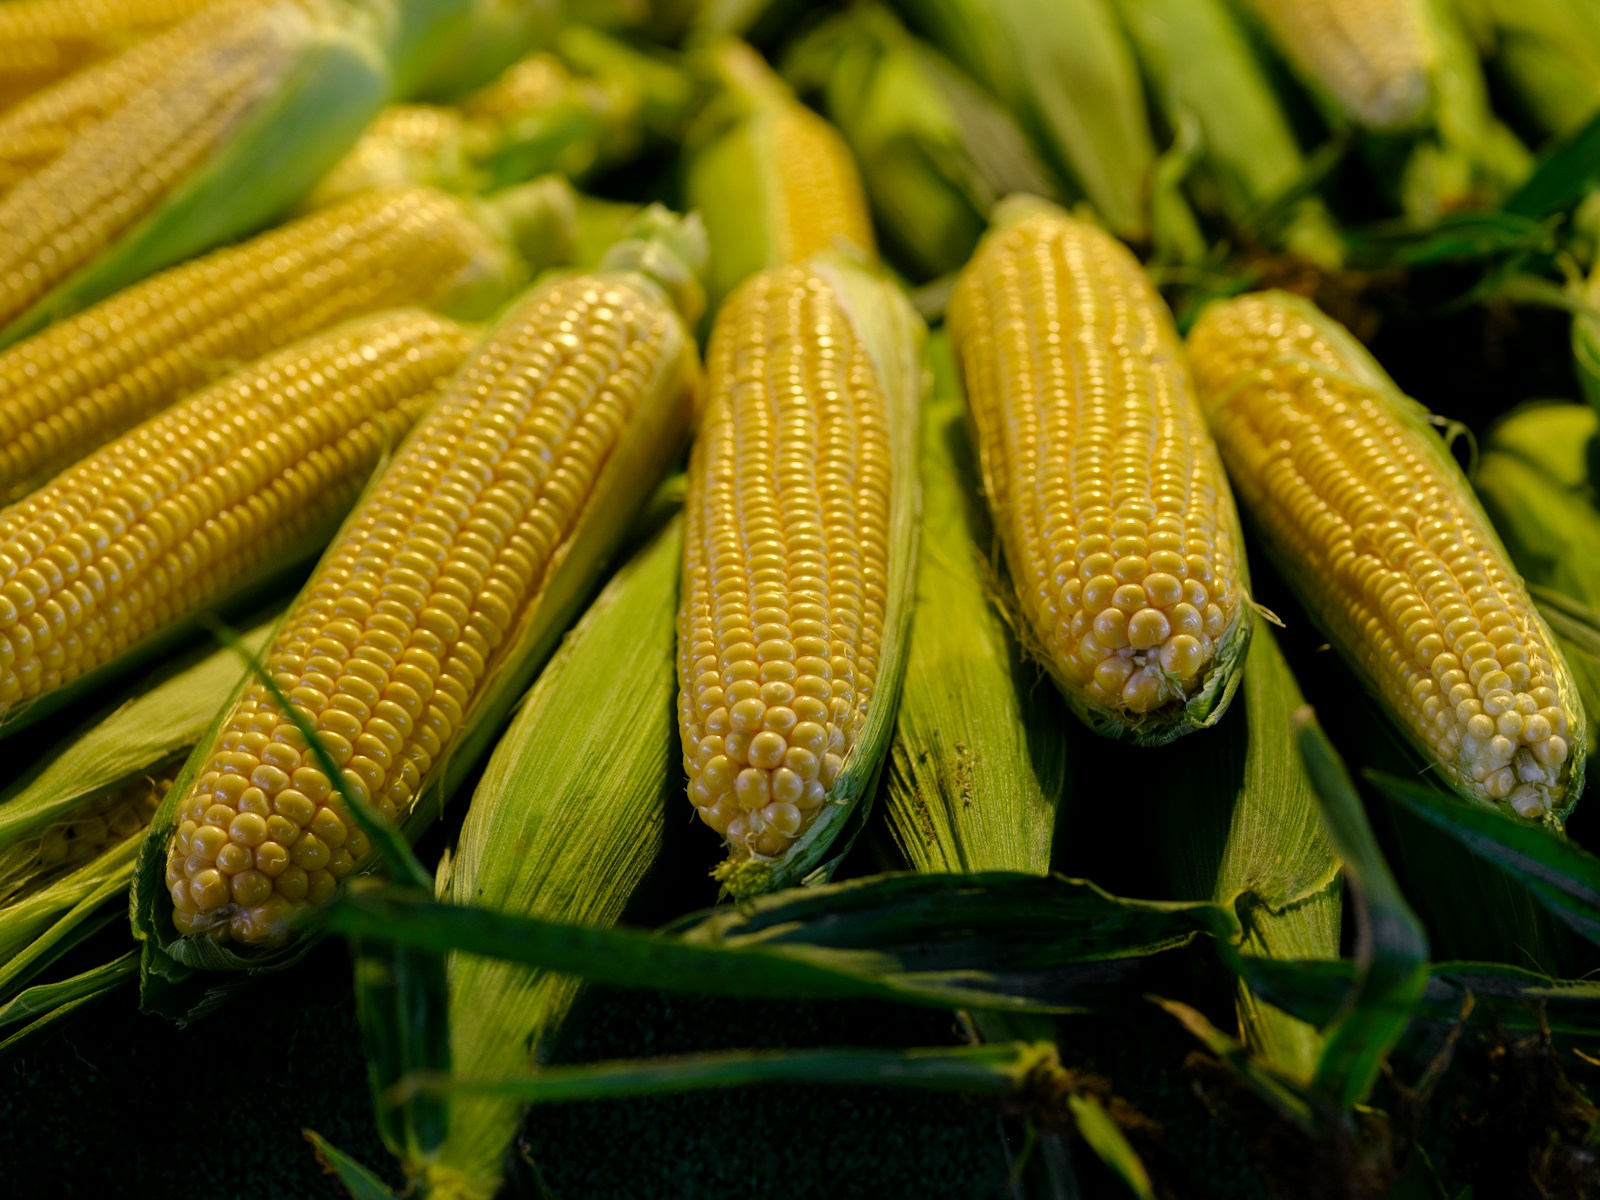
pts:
[333, 81]
[978, 765]
[1547, 52]
[893, 335]
[1199, 61]
[1359, 369]
[937, 151]
[1064, 70]
[664, 251]
[565, 824]
[1240, 826]
[474, 42]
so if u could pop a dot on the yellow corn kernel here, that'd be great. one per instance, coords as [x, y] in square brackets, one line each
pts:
[1117, 522]
[1371, 519]
[42, 41]
[176, 512]
[205, 75]
[1374, 57]
[106, 821]
[86, 379]
[394, 638]
[786, 570]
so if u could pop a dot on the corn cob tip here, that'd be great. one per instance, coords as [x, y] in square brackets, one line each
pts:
[670, 249]
[1381, 535]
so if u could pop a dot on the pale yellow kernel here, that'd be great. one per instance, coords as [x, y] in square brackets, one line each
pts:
[752, 789]
[1148, 628]
[767, 750]
[1111, 673]
[1181, 656]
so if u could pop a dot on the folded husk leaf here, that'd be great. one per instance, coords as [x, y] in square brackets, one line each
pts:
[565, 823]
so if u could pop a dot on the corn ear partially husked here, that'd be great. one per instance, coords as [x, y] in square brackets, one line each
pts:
[773, 180]
[523, 850]
[1373, 58]
[440, 593]
[198, 502]
[1118, 527]
[978, 767]
[252, 101]
[799, 557]
[937, 150]
[1199, 61]
[1065, 70]
[71, 388]
[1370, 519]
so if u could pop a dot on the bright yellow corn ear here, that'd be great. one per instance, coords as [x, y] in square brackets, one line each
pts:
[42, 41]
[1370, 519]
[798, 561]
[86, 379]
[1373, 58]
[198, 135]
[773, 180]
[434, 603]
[1117, 523]
[195, 504]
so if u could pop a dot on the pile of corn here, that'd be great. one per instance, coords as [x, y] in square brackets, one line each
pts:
[304, 322]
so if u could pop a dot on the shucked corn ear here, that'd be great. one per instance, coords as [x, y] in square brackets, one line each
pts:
[798, 561]
[521, 851]
[42, 41]
[1199, 61]
[1373, 523]
[190, 506]
[773, 180]
[937, 151]
[417, 611]
[233, 114]
[1118, 527]
[1373, 58]
[67, 390]
[1065, 70]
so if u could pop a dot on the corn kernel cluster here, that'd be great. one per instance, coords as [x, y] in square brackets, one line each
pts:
[217, 68]
[1117, 523]
[785, 561]
[102, 823]
[169, 516]
[392, 640]
[819, 200]
[1407, 576]
[88, 378]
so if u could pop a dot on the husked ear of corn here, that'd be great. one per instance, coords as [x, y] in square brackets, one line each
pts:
[1372, 522]
[773, 180]
[435, 601]
[937, 149]
[799, 557]
[1118, 527]
[195, 504]
[82, 381]
[229, 118]
[1373, 58]
[520, 850]
[42, 41]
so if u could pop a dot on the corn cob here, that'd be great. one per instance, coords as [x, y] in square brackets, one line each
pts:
[520, 853]
[1199, 61]
[418, 607]
[774, 181]
[798, 561]
[249, 102]
[1373, 58]
[42, 41]
[86, 379]
[1065, 71]
[1118, 527]
[1371, 520]
[937, 150]
[406, 144]
[184, 509]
